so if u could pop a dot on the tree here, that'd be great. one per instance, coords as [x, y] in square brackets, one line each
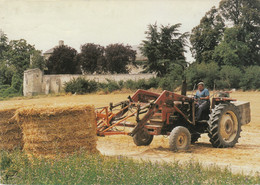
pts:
[3, 44]
[6, 72]
[229, 77]
[245, 15]
[232, 51]
[250, 78]
[118, 57]
[18, 55]
[91, 58]
[163, 48]
[63, 61]
[37, 60]
[206, 36]
[206, 72]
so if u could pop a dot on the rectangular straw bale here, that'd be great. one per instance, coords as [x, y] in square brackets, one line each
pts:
[48, 130]
[10, 130]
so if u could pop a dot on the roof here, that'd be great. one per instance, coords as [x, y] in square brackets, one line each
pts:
[50, 51]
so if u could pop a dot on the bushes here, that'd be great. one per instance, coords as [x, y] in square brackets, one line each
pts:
[81, 86]
[110, 86]
[229, 77]
[7, 91]
[250, 79]
[224, 77]
[16, 89]
[207, 73]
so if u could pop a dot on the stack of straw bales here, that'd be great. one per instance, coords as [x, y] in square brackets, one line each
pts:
[10, 130]
[58, 129]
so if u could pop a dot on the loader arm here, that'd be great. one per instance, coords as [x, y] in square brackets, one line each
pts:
[141, 103]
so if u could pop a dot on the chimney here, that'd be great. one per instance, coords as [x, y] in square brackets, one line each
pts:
[61, 43]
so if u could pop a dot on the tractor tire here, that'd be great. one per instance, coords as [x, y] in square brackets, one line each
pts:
[194, 137]
[224, 126]
[180, 139]
[142, 138]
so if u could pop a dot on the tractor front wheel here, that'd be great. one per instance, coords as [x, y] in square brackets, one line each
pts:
[180, 139]
[142, 138]
[224, 126]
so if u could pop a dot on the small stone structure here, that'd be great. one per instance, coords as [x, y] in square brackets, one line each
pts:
[35, 82]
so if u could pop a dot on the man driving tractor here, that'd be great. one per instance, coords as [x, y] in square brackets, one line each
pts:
[203, 100]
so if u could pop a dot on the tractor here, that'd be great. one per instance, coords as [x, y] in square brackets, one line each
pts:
[146, 114]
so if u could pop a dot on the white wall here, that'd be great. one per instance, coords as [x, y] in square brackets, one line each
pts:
[37, 83]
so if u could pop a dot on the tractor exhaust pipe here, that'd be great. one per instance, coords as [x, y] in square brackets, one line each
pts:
[184, 87]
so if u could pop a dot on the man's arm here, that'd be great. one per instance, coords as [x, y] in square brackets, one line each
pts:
[204, 98]
[206, 95]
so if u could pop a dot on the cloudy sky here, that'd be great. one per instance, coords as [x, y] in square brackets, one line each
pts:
[44, 22]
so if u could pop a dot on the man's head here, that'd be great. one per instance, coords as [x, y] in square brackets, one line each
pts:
[200, 86]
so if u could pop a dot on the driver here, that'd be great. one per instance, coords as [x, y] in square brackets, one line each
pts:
[202, 98]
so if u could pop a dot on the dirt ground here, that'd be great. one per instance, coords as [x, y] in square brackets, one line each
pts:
[244, 157]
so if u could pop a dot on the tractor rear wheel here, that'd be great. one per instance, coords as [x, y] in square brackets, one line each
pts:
[224, 126]
[179, 139]
[142, 138]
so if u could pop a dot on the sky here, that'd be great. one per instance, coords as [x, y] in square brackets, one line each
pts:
[44, 22]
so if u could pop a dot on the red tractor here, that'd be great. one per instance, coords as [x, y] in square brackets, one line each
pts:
[173, 115]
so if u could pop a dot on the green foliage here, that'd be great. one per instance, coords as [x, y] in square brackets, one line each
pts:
[239, 45]
[232, 51]
[18, 55]
[15, 57]
[63, 61]
[117, 58]
[17, 82]
[3, 44]
[80, 86]
[172, 80]
[6, 72]
[142, 84]
[9, 92]
[37, 60]
[83, 168]
[110, 86]
[229, 77]
[163, 47]
[206, 36]
[245, 14]
[208, 73]
[250, 79]
[153, 83]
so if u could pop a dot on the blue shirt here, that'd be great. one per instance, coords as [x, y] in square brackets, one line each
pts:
[203, 93]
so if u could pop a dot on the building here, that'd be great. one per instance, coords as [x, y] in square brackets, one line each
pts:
[49, 52]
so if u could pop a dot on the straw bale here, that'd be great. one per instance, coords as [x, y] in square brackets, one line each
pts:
[10, 130]
[56, 129]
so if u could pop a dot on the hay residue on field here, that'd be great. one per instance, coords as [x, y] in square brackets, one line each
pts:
[10, 130]
[58, 129]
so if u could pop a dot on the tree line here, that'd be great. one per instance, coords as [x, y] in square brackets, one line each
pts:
[93, 58]
[225, 45]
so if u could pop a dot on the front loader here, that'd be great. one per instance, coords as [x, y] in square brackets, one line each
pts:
[146, 114]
